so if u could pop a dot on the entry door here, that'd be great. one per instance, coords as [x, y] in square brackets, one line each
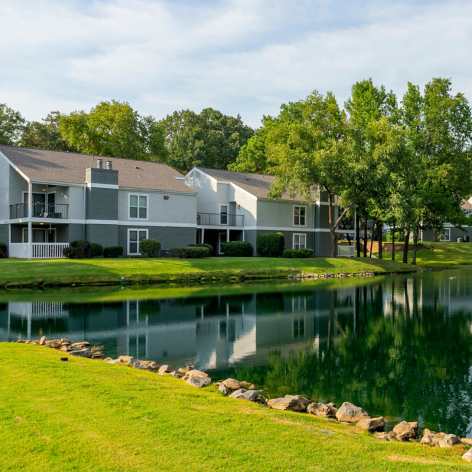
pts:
[135, 236]
[39, 204]
[221, 240]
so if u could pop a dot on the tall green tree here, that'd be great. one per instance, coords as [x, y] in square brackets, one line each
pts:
[45, 134]
[437, 174]
[208, 139]
[11, 125]
[114, 129]
[316, 152]
[252, 156]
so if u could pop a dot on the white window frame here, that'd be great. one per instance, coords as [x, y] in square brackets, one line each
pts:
[227, 214]
[129, 206]
[293, 215]
[129, 241]
[448, 237]
[293, 240]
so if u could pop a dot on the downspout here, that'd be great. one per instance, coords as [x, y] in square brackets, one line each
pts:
[83, 226]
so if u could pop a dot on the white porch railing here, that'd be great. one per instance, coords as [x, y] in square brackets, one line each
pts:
[39, 250]
[346, 251]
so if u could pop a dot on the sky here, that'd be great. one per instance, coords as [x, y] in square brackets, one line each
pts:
[243, 57]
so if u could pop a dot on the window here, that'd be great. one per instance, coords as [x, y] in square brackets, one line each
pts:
[299, 241]
[138, 207]
[135, 236]
[446, 235]
[299, 216]
[224, 214]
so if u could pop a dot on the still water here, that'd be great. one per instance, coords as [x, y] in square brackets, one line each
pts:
[399, 346]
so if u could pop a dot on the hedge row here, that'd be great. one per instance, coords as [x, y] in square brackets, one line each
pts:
[237, 249]
[190, 252]
[298, 253]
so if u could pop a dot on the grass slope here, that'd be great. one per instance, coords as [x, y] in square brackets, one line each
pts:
[14, 272]
[444, 255]
[88, 415]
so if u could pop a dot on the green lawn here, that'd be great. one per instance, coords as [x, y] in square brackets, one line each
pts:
[16, 272]
[444, 255]
[89, 415]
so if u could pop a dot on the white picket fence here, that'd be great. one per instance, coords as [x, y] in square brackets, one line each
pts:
[39, 250]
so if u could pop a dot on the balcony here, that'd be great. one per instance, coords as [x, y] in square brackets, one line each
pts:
[219, 219]
[40, 210]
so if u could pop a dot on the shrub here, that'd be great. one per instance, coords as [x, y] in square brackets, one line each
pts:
[82, 246]
[70, 252]
[237, 249]
[270, 244]
[149, 247]
[190, 252]
[96, 250]
[208, 246]
[3, 250]
[113, 251]
[298, 253]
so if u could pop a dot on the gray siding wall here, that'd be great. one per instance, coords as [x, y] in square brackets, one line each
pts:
[18, 185]
[101, 176]
[4, 189]
[179, 208]
[245, 205]
[288, 236]
[428, 235]
[4, 234]
[74, 197]
[207, 201]
[106, 235]
[102, 204]
[168, 237]
[277, 215]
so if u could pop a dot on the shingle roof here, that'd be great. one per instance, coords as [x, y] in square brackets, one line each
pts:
[256, 184]
[69, 167]
[466, 205]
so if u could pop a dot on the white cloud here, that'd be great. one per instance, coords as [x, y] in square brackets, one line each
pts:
[242, 56]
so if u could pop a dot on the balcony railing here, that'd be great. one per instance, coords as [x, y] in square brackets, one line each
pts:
[219, 219]
[40, 210]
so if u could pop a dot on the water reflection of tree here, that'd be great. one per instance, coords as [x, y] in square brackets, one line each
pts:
[413, 364]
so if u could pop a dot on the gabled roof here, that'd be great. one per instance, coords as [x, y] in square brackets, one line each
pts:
[255, 184]
[69, 167]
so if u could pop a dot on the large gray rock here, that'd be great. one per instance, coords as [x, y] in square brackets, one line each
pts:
[54, 344]
[406, 430]
[327, 410]
[350, 413]
[232, 384]
[81, 353]
[468, 456]
[372, 424]
[449, 441]
[199, 382]
[386, 437]
[242, 394]
[43, 340]
[165, 369]
[81, 344]
[224, 389]
[290, 403]
[430, 438]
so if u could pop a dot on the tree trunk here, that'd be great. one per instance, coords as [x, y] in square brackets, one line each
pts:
[379, 230]
[332, 228]
[393, 243]
[415, 245]
[358, 233]
[405, 248]
[372, 240]
[365, 238]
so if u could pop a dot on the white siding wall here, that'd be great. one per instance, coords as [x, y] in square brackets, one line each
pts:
[4, 189]
[207, 201]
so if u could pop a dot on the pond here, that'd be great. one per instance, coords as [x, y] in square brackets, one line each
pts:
[399, 346]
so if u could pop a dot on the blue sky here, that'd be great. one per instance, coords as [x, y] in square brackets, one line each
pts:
[241, 56]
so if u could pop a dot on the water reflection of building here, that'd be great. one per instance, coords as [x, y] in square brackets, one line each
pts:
[213, 332]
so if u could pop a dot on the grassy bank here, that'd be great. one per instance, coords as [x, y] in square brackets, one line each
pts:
[440, 255]
[88, 415]
[21, 272]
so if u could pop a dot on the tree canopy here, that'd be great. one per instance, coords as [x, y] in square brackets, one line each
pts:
[209, 139]
[114, 129]
[11, 125]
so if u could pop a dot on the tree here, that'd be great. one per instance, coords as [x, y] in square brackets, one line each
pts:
[45, 135]
[252, 156]
[114, 129]
[436, 175]
[11, 125]
[209, 139]
[316, 151]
